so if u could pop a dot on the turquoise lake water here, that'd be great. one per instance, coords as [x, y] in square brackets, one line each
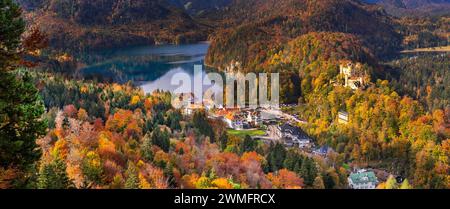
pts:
[150, 67]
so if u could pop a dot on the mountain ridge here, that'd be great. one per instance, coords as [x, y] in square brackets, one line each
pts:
[79, 25]
[268, 27]
[414, 7]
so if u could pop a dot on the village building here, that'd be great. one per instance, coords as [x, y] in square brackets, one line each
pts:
[191, 109]
[239, 119]
[253, 118]
[186, 102]
[291, 136]
[363, 179]
[322, 151]
[343, 117]
[233, 121]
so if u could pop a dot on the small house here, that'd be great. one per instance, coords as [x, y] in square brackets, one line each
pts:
[343, 117]
[291, 136]
[322, 151]
[233, 121]
[191, 109]
[363, 179]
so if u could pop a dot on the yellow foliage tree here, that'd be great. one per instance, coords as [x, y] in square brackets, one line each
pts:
[134, 100]
[221, 183]
[203, 183]
[143, 183]
[61, 149]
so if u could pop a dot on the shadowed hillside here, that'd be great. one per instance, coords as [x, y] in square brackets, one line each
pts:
[272, 23]
[78, 25]
[414, 7]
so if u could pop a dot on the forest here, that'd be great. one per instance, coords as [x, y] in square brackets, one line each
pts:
[81, 25]
[267, 29]
[139, 141]
[424, 32]
[425, 78]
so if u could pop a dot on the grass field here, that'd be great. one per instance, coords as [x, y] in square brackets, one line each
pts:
[243, 133]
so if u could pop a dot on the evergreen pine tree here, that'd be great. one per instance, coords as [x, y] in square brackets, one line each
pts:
[21, 107]
[276, 157]
[168, 172]
[132, 181]
[54, 176]
[200, 121]
[161, 139]
[146, 148]
[223, 141]
[248, 145]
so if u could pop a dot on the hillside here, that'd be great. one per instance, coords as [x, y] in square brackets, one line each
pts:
[409, 4]
[425, 78]
[79, 25]
[414, 7]
[260, 26]
[308, 63]
[198, 7]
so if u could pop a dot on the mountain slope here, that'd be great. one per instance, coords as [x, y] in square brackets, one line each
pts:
[79, 25]
[197, 7]
[259, 26]
[414, 7]
[410, 4]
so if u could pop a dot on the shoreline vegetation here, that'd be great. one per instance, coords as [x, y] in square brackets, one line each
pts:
[429, 49]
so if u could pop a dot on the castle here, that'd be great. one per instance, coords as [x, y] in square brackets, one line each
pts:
[353, 76]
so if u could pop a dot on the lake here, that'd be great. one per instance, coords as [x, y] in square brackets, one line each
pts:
[150, 67]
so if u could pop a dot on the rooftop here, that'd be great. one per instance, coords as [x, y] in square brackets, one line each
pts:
[363, 177]
[296, 131]
[322, 150]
